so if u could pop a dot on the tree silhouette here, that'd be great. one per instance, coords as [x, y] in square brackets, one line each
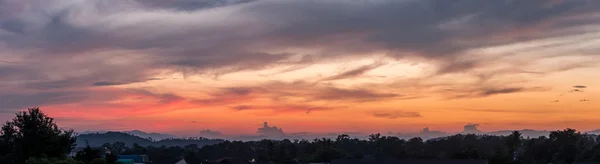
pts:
[98, 161]
[566, 143]
[110, 158]
[33, 134]
[513, 142]
[52, 161]
[87, 154]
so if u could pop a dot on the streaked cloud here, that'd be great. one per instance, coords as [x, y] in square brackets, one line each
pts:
[396, 114]
[356, 72]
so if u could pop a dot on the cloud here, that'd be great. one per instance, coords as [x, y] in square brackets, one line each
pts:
[494, 91]
[471, 129]
[73, 28]
[242, 107]
[270, 131]
[396, 114]
[98, 99]
[210, 134]
[279, 107]
[106, 83]
[68, 45]
[352, 94]
[110, 83]
[546, 111]
[190, 5]
[490, 91]
[19, 101]
[580, 86]
[576, 90]
[354, 72]
[286, 96]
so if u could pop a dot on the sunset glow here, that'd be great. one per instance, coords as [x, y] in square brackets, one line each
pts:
[316, 66]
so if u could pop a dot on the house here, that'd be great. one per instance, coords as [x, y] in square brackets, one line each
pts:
[137, 159]
[412, 161]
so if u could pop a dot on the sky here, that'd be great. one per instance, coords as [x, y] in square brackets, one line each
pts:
[319, 66]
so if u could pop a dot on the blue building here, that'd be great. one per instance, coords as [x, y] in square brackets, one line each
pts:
[136, 159]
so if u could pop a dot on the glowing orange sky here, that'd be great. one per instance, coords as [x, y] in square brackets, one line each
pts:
[319, 66]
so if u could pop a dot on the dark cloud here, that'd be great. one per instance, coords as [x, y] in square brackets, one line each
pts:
[190, 5]
[162, 98]
[306, 108]
[576, 90]
[494, 91]
[457, 66]
[243, 107]
[19, 101]
[106, 83]
[238, 91]
[396, 114]
[352, 94]
[280, 107]
[580, 86]
[443, 29]
[285, 94]
[110, 83]
[490, 91]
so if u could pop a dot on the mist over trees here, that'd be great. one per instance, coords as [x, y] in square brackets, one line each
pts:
[98, 139]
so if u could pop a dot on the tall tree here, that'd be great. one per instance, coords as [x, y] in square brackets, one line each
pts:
[566, 143]
[513, 142]
[88, 154]
[33, 134]
[111, 159]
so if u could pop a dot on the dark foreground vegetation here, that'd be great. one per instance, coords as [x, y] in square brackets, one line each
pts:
[33, 138]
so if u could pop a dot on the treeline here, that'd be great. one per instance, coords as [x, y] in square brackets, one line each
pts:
[565, 146]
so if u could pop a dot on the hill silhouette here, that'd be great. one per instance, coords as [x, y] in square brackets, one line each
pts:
[152, 136]
[97, 139]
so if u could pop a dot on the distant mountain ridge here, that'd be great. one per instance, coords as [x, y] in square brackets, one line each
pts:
[97, 139]
[152, 136]
[597, 131]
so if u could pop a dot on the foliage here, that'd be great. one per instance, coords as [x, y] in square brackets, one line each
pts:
[87, 154]
[110, 158]
[33, 134]
[560, 147]
[51, 161]
[98, 161]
